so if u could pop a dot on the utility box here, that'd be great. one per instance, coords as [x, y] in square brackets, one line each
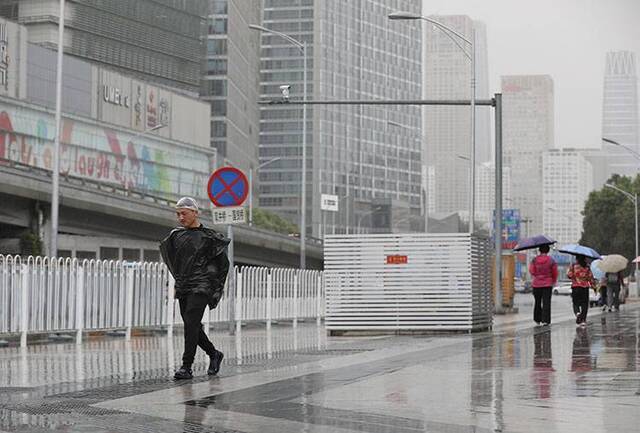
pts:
[407, 282]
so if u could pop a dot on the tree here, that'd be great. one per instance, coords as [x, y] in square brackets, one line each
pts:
[272, 222]
[609, 225]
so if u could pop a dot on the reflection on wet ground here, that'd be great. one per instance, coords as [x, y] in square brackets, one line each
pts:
[518, 378]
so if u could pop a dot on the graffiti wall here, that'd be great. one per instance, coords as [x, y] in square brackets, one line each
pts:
[90, 151]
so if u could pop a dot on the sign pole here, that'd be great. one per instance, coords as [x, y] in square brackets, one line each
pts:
[232, 282]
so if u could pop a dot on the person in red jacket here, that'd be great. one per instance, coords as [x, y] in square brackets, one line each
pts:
[581, 281]
[544, 271]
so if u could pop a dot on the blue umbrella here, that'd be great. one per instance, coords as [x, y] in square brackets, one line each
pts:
[534, 242]
[579, 250]
[598, 273]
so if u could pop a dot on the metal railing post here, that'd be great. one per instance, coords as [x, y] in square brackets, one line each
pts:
[269, 289]
[79, 304]
[318, 299]
[129, 302]
[24, 305]
[171, 287]
[238, 309]
[296, 282]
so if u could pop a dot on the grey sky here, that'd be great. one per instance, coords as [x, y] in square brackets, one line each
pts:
[566, 39]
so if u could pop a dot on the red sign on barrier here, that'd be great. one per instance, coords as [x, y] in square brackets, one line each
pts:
[397, 260]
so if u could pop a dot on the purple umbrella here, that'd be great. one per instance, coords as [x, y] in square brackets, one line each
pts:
[534, 242]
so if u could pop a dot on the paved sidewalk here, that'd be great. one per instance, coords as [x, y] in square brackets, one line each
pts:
[518, 378]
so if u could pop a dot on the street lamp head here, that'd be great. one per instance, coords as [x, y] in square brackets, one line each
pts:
[400, 15]
[608, 140]
[257, 27]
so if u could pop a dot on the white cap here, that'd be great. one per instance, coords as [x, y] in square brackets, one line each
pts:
[187, 203]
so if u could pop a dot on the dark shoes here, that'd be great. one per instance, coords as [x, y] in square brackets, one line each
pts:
[183, 373]
[214, 365]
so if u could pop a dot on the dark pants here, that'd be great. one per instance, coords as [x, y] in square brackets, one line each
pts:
[542, 306]
[613, 296]
[192, 309]
[580, 298]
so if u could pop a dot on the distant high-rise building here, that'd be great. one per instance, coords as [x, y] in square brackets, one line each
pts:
[528, 132]
[567, 182]
[485, 192]
[232, 81]
[447, 75]
[156, 40]
[363, 154]
[619, 116]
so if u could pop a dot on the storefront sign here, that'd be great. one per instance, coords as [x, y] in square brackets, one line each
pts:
[115, 96]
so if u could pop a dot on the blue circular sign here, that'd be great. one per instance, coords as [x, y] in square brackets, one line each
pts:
[228, 186]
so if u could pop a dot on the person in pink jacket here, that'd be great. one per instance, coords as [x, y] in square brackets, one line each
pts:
[544, 271]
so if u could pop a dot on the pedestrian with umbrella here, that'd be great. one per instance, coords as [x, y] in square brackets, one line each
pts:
[544, 271]
[581, 279]
[613, 265]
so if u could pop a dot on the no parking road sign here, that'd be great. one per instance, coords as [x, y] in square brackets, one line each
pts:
[228, 186]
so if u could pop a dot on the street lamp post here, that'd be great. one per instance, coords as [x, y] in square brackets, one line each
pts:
[450, 33]
[251, 185]
[634, 200]
[302, 46]
[55, 177]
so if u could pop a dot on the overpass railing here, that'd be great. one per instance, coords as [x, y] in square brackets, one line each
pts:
[41, 294]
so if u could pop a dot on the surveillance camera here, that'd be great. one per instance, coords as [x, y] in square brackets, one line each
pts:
[285, 91]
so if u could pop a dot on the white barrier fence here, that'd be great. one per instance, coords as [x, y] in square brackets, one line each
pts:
[407, 282]
[39, 294]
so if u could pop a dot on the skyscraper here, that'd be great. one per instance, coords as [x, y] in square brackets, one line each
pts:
[232, 81]
[156, 40]
[486, 192]
[447, 129]
[528, 132]
[567, 182]
[620, 115]
[359, 153]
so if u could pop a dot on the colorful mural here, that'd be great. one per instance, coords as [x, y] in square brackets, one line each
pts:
[90, 151]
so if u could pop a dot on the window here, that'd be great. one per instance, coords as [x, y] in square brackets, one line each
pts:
[215, 88]
[217, 26]
[219, 7]
[131, 254]
[218, 128]
[219, 107]
[217, 66]
[109, 253]
[151, 256]
[216, 47]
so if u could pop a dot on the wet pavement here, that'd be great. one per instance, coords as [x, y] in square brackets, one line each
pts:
[517, 378]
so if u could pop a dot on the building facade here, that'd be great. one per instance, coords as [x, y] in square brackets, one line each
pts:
[568, 180]
[358, 153]
[528, 132]
[231, 82]
[620, 121]
[155, 40]
[447, 75]
[122, 139]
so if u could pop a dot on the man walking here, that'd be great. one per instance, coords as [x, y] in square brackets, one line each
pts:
[197, 258]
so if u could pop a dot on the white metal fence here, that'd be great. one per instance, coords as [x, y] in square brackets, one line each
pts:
[39, 294]
[415, 281]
